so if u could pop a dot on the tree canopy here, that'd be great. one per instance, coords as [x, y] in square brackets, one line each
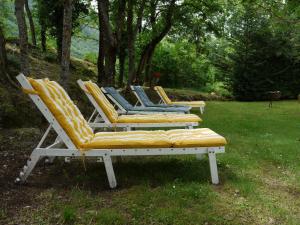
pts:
[239, 48]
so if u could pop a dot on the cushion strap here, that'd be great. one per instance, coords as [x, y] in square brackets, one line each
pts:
[29, 91]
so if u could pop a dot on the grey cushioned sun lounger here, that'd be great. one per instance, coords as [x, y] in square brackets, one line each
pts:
[124, 105]
[145, 101]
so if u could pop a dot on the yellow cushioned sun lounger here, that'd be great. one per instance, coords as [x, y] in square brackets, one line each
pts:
[164, 97]
[111, 118]
[76, 135]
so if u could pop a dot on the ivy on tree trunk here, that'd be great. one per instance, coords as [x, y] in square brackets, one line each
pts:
[31, 23]
[66, 42]
[23, 38]
[148, 50]
[3, 58]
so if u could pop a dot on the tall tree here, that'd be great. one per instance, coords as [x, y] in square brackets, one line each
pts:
[148, 49]
[3, 58]
[109, 40]
[4, 74]
[51, 12]
[41, 11]
[132, 33]
[23, 38]
[66, 42]
[31, 23]
[101, 54]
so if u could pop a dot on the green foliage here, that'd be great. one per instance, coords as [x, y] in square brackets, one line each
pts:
[69, 214]
[259, 176]
[7, 18]
[50, 15]
[245, 48]
[181, 66]
[263, 61]
[110, 217]
[91, 57]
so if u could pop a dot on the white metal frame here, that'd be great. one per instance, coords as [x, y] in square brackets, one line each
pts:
[128, 126]
[137, 96]
[132, 112]
[70, 150]
[201, 108]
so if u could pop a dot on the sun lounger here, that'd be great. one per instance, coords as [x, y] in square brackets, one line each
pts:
[80, 141]
[165, 99]
[144, 100]
[109, 116]
[127, 108]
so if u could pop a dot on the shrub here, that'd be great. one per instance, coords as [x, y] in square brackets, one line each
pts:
[263, 60]
[69, 214]
[91, 57]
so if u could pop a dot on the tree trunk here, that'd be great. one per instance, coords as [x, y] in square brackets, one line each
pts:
[150, 47]
[66, 43]
[101, 51]
[4, 74]
[3, 57]
[148, 68]
[132, 32]
[131, 52]
[59, 40]
[110, 66]
[31, 24]
[122, 56]
[43, 38]
[109, 45]
[23, 38]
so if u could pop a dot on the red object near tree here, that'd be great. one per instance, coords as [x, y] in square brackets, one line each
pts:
[157, 74]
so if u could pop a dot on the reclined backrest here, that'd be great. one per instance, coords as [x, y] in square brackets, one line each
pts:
[143, 96]
[118, 97]
[102, 101]
[163, 94]
[64, 110]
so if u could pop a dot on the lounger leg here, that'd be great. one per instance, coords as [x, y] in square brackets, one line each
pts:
[213, 167]
[201, 109]
[110, 171]
[31, 163]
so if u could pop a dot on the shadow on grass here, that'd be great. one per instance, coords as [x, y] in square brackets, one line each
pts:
[133, 171]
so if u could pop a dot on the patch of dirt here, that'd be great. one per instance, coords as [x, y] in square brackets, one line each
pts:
[16, 146]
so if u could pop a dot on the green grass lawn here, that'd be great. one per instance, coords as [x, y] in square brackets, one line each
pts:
[259, 173]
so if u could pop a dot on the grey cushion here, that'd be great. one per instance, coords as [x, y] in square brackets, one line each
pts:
[148, 103]
[128, 107]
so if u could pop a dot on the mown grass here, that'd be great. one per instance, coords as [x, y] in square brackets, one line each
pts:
[259, 178]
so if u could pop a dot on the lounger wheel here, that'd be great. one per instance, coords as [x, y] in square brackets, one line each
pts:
[27, 169]
[18, 180]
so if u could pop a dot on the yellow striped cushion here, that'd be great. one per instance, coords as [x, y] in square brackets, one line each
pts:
[193, 104]
[159, 118]
[64, 110]
[163, 94]
[202, 137]
[183, 103]
[131, 139]
[102, 101]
